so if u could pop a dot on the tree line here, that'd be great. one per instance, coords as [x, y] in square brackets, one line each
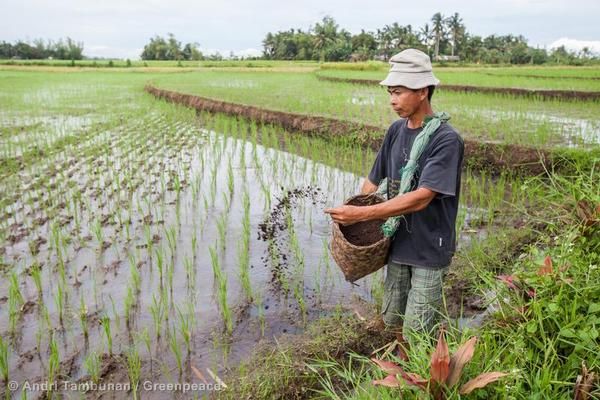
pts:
[443, 38]
[170, 49]
[63, 49]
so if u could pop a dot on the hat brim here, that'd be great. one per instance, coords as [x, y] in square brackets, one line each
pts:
[411, 80]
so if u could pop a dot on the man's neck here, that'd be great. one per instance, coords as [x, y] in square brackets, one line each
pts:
[416, 119]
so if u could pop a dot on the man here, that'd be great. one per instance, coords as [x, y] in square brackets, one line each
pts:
[425, 239]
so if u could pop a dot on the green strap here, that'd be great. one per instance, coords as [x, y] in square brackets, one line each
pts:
[430, 125]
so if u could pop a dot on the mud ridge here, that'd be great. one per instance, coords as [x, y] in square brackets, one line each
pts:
[544, 94]
[492, 156]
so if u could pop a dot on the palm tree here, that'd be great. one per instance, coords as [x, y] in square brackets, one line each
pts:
[438, 31]
[425, 35]
[325, 34]
[385, 39]
[456, 28]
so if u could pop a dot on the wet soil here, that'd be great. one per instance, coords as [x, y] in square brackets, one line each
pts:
[363, 233]
[493, 156]
[273, 229]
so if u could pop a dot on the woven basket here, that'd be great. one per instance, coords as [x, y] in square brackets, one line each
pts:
[358, 261]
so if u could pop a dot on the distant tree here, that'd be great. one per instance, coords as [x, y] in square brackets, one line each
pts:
[327, 42]
[426, 37]
[269, 46]
[173, 48]
[191, 52]
[456, 29]
[538, 56]
[169, 49]
[438, 25]
[325, 34]
[520, 54]
[560, 55]
[364, 45]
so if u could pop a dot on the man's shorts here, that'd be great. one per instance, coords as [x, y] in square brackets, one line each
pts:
[412, 297]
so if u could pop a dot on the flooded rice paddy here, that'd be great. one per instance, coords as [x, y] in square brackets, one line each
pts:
[144, 242]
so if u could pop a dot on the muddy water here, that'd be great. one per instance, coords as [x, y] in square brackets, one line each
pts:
[290, 286]
[575, 131]
[102, 278]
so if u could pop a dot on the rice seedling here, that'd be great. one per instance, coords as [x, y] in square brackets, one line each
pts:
[105, 323]
[221, 228]
[171, 234]
[230, 181]
[244, 264]
[221, 281]
[129, 304]
[53, 362]
[144, 337]
[83, 320]
[134, 367]
[59, 301]
[260, 309]
[134, 273]
[97, 230]
[92, 365]
[194, 244]
[185, 329]
[176, 350]
[170, 275]
[226, 201]
[299, 296]
[160, 263]
[36, 274]
[158, 311]
[116, 318]
[15, 301]
[190, 272]
[4, 367]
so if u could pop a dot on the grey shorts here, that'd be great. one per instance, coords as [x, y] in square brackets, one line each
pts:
[412, 297]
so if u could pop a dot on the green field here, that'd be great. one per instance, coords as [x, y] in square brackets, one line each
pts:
[482, 116]
[141, 238]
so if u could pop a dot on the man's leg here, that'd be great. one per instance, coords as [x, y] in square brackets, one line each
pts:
[424, 299]
[395, 296]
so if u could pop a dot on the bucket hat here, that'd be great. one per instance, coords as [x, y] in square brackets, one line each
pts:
[410, 68]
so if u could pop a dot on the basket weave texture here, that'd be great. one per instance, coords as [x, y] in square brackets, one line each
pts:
[358, 261]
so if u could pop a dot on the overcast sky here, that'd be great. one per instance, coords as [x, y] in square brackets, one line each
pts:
[121, 28]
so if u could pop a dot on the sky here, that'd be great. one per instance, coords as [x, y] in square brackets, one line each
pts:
[121, 28]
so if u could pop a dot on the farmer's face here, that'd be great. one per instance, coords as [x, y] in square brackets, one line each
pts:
[406, 101]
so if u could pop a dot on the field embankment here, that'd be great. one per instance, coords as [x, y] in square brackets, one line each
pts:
[481, 154]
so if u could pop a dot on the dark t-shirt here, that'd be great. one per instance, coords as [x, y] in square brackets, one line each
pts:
[425, 238]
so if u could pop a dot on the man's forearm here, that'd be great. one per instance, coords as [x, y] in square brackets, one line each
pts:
[404, 204]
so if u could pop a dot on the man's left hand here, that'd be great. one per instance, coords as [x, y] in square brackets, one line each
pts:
[347, 215]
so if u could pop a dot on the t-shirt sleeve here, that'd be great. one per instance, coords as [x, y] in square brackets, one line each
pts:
[441, 169]
[379, 169]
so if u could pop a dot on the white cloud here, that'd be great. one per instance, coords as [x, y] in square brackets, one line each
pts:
[577, 45]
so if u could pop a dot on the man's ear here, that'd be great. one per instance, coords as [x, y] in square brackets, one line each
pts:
[424, 93]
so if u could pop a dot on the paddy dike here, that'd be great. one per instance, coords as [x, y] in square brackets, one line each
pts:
[493, 156]
[544, 94]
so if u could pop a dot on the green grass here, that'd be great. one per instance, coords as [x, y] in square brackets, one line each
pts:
[560, 79]
[544, 331]
[157, 64]
[491, 117]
